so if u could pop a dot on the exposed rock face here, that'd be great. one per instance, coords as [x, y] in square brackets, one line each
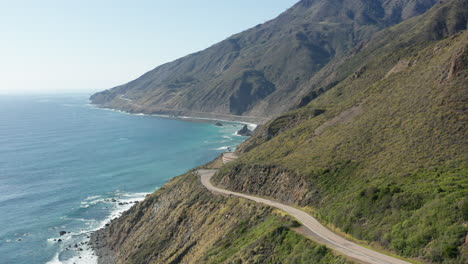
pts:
[400, 66]
[245, 131]
[183, 223]
[271, 181]
[174, 225]
[459, 62]
[266, 70]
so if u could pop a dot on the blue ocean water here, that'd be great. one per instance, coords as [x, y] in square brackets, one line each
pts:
[67, 166]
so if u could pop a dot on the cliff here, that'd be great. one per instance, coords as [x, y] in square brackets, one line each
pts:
[183, 223]
[266, 70]
[379, 156]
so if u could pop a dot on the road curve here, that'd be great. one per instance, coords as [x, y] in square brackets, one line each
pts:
[318, 231]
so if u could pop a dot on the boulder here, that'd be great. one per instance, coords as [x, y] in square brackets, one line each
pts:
[245, 131]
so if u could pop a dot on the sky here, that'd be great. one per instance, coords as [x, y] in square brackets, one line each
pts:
[66, 46]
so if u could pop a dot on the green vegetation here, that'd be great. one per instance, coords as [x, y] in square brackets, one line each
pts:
[378, 148]
[394, 171]
[182, 222]
[269, 242]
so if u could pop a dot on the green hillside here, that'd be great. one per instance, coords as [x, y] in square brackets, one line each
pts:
[382, 155]
[376, 148]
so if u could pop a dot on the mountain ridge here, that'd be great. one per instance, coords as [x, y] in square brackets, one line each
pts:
[263, 71]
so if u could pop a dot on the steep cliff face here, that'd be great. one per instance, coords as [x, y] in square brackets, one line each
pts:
[381, 155]
[266, 70]
[183, 223]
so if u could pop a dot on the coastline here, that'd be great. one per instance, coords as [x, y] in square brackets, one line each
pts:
[251, 125]
[84, 252]
[185, 114]
[95, 253]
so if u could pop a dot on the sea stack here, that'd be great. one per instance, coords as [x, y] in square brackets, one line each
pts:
[245, 131]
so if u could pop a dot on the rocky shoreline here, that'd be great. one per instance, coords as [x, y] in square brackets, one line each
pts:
[97, 240]
[105, 254]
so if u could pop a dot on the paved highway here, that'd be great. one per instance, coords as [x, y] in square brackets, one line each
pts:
[315, 230]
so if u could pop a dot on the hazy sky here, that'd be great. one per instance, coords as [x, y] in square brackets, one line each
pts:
[91, 45]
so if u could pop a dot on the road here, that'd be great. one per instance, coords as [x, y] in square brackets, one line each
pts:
[215, 115]
[316, 231]
[130, 101]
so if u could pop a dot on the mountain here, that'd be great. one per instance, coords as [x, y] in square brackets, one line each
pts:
[382, 155]
[266, 70]
[375, 149]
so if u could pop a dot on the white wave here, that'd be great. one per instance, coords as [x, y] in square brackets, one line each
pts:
[92, 197]
[251, 126]
[78, 219]
[136, 195]
[86, 256]
[222, 148]
[120, 206]
[121, 202]
[55, 260]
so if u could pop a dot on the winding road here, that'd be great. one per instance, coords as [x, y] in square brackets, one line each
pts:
[315, 230]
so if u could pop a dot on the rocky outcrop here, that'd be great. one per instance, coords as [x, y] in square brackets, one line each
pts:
[270, 181]
[245, 131]
[458, 63]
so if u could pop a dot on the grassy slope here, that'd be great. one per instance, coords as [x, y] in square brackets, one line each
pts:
[396, 174]
[183, 223]
[269, 242]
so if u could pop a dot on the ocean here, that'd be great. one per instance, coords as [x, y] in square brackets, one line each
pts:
[68, 166]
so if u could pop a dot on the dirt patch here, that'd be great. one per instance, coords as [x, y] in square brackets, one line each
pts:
[400, 66]
[343, 118]
[459, 63]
